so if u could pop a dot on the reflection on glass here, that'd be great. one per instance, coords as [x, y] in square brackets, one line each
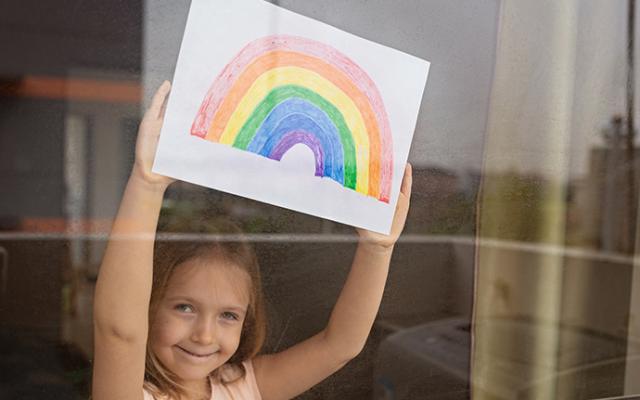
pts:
[552, 299]
[515, 278]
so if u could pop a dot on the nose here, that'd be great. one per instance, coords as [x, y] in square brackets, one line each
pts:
[204, 331]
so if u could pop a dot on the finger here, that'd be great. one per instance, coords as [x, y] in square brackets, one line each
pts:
[407, 180]
[163, 109]
[158, 100]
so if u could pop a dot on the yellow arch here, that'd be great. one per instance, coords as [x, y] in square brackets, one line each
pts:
[317, 83]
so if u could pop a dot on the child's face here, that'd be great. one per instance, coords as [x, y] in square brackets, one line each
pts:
[199, 321]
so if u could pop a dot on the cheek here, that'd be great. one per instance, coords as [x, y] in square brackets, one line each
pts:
[232, 337]
[165, 331]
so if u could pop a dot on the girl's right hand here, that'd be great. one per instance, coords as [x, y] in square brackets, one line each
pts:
[148, 135]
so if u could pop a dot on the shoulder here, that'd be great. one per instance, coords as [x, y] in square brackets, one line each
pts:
[148, 395]
[248, 367]
[238, 387]
[250, 376]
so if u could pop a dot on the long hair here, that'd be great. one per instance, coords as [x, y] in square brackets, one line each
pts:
[226, 244]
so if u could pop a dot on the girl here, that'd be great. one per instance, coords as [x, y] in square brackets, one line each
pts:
[191, 326]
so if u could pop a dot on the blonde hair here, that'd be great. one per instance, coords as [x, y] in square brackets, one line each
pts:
[229, 246]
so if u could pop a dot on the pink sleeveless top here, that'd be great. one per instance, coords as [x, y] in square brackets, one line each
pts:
[245, 388]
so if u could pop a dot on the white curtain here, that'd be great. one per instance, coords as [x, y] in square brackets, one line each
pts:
[559, 75]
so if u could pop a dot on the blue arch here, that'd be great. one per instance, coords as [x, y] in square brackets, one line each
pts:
[296, 114]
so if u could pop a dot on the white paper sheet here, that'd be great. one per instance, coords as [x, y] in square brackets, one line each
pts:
[327, 90]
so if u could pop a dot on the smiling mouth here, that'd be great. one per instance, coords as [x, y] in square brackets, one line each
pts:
[195, 354]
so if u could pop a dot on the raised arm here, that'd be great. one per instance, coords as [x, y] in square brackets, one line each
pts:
[293, 371]
[123, 288]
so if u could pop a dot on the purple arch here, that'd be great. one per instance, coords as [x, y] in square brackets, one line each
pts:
[299, 136]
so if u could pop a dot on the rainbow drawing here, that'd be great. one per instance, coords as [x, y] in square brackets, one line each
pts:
[282, 90]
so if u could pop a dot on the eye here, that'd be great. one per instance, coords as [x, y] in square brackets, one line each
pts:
[230, 316]
[185, 308]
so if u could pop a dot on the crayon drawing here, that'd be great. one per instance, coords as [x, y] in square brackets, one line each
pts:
[284, 90]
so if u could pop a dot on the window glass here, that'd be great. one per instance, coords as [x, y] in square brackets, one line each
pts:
[514, 277]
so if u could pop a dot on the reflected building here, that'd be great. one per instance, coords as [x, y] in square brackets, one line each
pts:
[606, 219]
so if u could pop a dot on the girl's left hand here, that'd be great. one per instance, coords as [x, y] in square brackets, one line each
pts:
[402, 208]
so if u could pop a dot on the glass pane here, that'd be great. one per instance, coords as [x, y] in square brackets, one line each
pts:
[514, 277]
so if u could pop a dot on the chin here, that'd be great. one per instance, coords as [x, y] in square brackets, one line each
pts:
[196, 372]
[192, 374]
